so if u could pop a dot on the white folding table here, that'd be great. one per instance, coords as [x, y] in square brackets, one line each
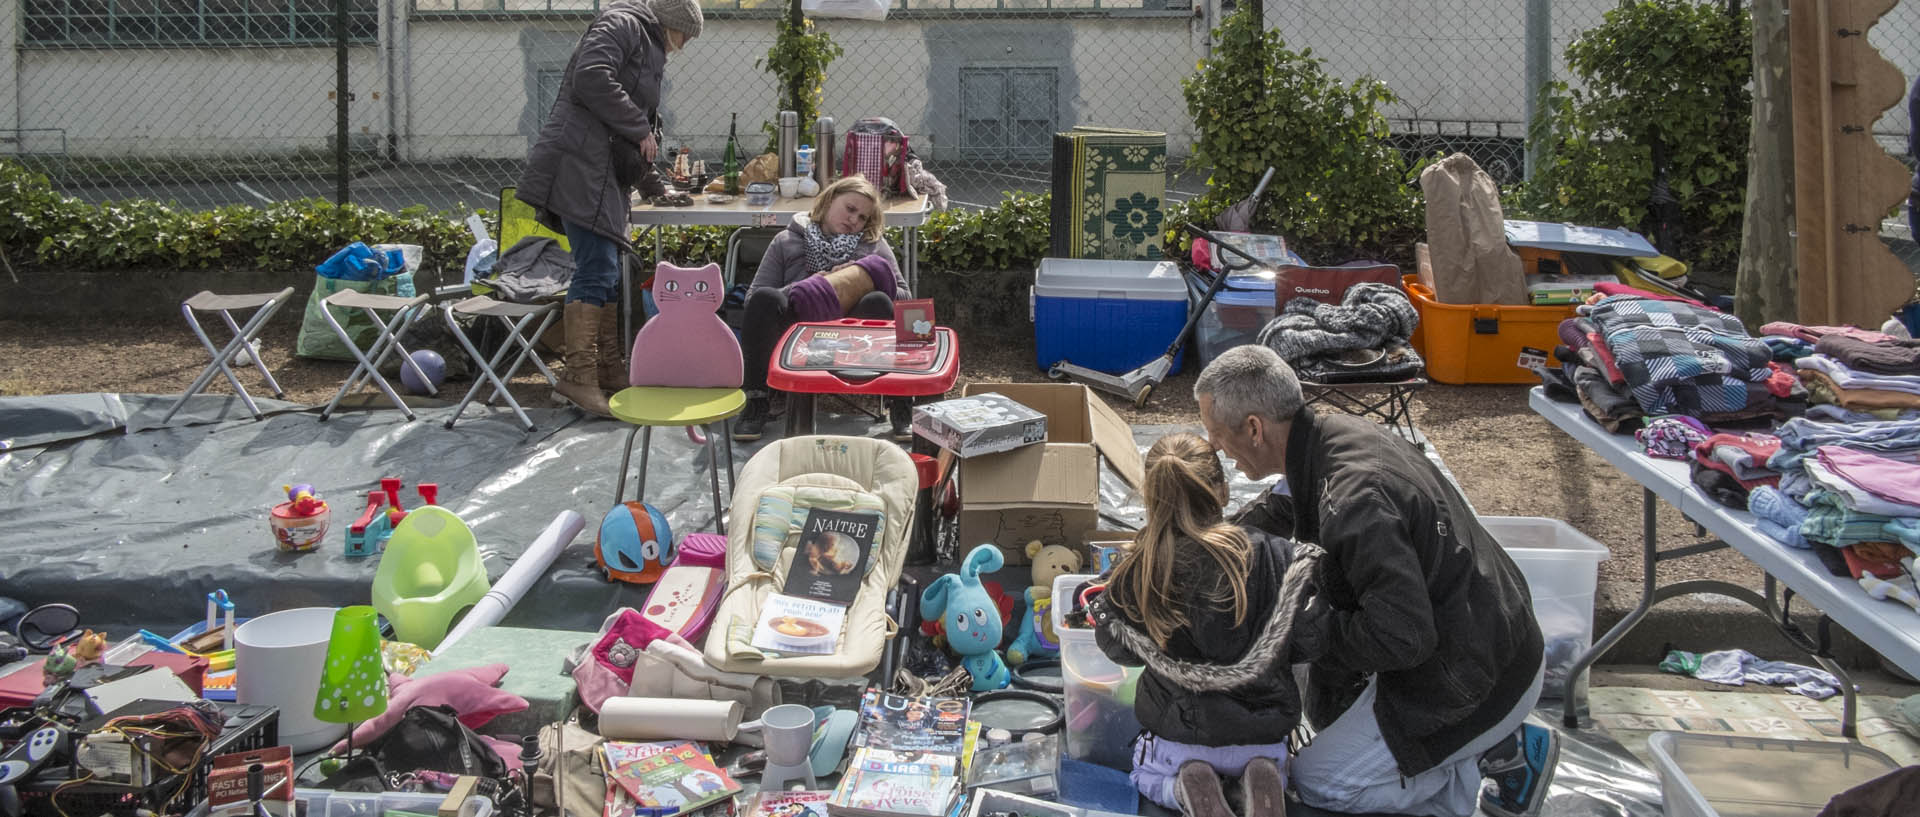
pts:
[1890, 628]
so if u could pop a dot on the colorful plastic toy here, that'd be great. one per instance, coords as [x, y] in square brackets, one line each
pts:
[687, 595]
[300, 523]
[635, 543]
[368, 534]
[972, 621]
[1036, 638]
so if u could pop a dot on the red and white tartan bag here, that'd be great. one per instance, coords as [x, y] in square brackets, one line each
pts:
[877, 149]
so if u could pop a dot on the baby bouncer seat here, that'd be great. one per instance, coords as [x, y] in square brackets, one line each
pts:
[771, 500]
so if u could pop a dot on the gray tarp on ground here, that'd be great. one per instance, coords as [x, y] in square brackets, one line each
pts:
[135, 528]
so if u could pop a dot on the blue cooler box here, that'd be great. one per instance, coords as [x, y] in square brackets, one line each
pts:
[1112, 316]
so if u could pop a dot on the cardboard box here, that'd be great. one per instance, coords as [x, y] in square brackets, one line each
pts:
[227, 782]
[986, 423]
[1051, 491]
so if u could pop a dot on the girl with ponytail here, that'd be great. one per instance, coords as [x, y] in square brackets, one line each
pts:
[1216, 614]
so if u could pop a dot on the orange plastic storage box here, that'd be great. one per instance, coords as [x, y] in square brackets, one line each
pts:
[1481, 343]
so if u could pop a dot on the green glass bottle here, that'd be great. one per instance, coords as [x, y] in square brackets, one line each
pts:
[730, 164]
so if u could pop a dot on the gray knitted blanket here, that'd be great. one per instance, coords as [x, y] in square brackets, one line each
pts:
[1370, 316]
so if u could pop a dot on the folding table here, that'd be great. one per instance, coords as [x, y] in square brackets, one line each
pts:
[1890, 628]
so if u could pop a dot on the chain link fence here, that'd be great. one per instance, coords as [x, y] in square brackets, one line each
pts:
[214, 102]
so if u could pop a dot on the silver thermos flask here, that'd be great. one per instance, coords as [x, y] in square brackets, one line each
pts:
[789, 141]
[825, 143]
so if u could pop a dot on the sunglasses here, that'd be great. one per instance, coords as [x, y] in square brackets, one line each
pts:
[44, 626]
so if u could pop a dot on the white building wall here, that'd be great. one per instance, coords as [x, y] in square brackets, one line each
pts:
[167, 102]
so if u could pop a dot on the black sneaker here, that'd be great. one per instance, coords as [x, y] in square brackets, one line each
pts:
[900, 416]
[752, 422]
[1518, 771]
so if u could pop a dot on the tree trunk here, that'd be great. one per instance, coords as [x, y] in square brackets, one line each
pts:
[1767, 285]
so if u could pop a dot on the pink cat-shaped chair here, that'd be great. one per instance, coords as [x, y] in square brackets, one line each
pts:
[686, 345]
[686, 371]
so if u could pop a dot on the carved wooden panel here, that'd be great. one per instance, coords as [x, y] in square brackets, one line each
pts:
[1844, 183]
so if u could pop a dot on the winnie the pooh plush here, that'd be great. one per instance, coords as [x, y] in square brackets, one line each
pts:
[1037, 638]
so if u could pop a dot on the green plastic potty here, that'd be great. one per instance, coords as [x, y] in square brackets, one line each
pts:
[430, 572]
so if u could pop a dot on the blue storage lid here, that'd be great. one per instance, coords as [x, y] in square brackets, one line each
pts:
[1230, 297]
[1114, 280]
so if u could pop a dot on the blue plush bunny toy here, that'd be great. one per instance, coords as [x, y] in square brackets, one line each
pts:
[972, 620]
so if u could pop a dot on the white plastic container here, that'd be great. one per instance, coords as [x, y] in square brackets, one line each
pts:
[1562, 566]
[1238, 312]
[1727, 776]
[1099, 718]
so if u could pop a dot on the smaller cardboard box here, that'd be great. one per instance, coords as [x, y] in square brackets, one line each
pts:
[227, 782]
[1048, 492]
[986, 423]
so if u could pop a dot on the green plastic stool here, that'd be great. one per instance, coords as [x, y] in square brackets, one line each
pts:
[431, 571]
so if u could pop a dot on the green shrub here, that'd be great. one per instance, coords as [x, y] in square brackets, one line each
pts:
[1666, 73]
[1338, 181]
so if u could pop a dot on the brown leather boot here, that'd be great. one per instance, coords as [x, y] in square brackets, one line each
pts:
[613, 363]
[580, 377]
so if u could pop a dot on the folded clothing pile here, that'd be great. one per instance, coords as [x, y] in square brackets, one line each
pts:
[1366, 338]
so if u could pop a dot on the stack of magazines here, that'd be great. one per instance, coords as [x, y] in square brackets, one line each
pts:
[907, 757]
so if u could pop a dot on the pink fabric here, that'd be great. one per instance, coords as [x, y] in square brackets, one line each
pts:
[1812, 334]
[1889, 479]
[687, 345]
[471, 692]
[1608, 288]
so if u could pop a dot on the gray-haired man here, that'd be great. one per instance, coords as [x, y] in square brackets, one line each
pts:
[1435, 658]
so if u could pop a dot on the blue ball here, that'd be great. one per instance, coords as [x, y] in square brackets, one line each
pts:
[430, 362]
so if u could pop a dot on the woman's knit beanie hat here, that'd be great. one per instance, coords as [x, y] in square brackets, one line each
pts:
[680, 15]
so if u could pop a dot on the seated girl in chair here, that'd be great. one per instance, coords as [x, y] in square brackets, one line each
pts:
[831, 263]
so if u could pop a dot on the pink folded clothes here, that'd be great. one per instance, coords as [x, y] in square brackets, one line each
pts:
[1606, 288]
[1891, 480]
[813, 298]
[1812, 334]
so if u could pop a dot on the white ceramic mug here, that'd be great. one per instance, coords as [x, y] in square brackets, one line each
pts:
[787, 730]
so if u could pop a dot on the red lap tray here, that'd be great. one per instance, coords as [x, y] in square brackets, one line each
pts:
[855, 356]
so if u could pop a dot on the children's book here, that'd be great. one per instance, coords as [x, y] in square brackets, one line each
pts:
[885, 783]
[916, 724]
[680, 776]
[831, 558]
[791, 804]
[790, 625]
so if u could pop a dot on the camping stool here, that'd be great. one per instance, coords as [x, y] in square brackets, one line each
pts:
[647, 406]
[516, 317]
[264, 305]
[405, 311]
[1389, 402]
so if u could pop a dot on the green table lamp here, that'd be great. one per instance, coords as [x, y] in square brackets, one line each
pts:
[353, 684]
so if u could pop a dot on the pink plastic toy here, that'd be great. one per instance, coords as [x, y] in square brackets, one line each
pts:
[686, 345]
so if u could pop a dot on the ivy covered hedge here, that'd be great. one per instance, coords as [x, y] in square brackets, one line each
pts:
[44, 229]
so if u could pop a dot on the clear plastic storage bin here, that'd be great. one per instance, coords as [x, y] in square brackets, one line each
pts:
[1238, 312]
[1562, 566]
[1099, 720]
[1727, 776]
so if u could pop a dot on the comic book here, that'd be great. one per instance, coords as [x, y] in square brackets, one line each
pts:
[905, 723]
[885, 783]
[790, 804]
[681, 776]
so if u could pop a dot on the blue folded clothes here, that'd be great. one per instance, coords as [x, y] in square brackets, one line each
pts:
[1777, 515]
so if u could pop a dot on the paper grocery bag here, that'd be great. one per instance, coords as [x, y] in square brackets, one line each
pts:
[1466, 235]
